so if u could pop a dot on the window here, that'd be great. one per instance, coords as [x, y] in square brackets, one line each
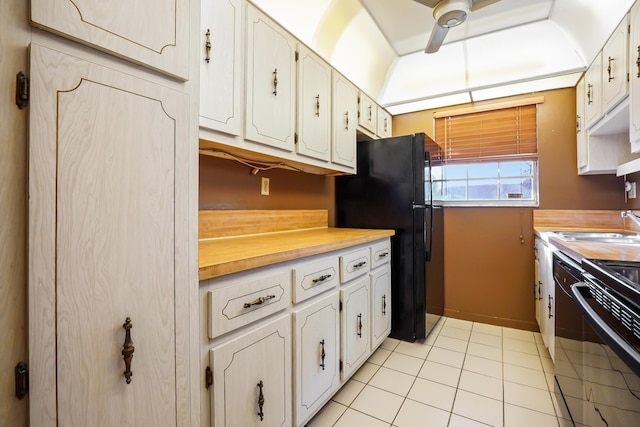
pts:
[486, 158]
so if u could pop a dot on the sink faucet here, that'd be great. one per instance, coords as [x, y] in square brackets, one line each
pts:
[631, 215]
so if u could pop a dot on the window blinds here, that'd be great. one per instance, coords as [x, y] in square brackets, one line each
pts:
[496, 134]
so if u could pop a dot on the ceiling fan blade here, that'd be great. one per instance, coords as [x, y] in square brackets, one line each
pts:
[436, 38]
[479, 4]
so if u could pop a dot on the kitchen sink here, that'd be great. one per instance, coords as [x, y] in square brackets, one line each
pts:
[628, 238]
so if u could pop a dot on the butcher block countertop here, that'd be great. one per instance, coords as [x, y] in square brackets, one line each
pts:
[607, 221]
[234, 240]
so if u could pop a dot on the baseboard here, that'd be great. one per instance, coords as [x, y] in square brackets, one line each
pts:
[492, 320]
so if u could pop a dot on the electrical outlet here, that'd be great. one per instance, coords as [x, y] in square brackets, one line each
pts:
[631, 194]
[264, 187]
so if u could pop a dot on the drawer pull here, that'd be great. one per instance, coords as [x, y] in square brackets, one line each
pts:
[322, 278]
[360, 325]
[322, 355]
[260, 401]
[360, 264]
[384, 305]
[383, 255]
[609, 70]
[127, 350]
[259, 301]
[550, 307]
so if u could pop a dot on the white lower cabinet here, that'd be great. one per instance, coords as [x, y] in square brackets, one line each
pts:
[316, 355]
[380, 305]
[279, 341]
[354, 326]
[252, 378]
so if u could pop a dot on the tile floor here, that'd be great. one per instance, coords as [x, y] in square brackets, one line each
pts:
[463, 374]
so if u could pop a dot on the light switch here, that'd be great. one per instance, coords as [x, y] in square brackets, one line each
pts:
[264, 187]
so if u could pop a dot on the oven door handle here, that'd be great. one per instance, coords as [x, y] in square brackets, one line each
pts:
[619, 346]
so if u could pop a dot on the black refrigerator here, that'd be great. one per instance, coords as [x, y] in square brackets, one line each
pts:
[389, 192]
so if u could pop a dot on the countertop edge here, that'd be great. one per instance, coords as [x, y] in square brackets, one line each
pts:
[337, 240]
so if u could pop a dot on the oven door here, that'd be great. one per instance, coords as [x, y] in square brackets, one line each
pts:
[611, 359]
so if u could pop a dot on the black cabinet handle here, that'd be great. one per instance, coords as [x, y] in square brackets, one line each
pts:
[360, 264]
[322, 355]
[127, 350]
[384, 305]
[360, 325]
[322, 278]
[550, 306]
[260, 401]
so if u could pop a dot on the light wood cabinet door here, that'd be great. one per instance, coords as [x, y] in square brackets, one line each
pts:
[615, 84]
[314, 106]
[593, 87]
[221, 72]
[253, 366]
[345, 112]
[271, 82]
[634, 78]
[153, 33]
[354, 325]
[108, 222]
[380, 305]
[316, 337]
[367, 113]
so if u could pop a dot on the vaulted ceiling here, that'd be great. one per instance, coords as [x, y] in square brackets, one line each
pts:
[507, 47]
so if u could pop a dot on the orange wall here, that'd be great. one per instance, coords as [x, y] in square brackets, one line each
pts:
[226, 184]
[488, 269]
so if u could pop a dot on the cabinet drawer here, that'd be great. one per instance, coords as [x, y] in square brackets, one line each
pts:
[243, 302]
[380, 254]
[314, 277]
[354, 264]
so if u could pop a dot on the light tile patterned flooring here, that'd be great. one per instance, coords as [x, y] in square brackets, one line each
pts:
[463, 374]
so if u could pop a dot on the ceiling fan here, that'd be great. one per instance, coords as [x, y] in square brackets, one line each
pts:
[449, 14]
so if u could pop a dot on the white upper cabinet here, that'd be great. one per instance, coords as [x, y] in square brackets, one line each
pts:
[383, 123]
[314, 105]
[221, 65]
[581, 131]
[367, 113]
[615, 85]
[345, 111]
[634, 76]
[593, 86]
[109, 180]
[271, 82]
[153, 33]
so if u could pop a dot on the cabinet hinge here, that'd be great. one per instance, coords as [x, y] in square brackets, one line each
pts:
[208, 377]
[340, 305]
[297, 56]
[22, 90]
[627, 77]
[341, 365]
[295, 137]
[22, 380]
